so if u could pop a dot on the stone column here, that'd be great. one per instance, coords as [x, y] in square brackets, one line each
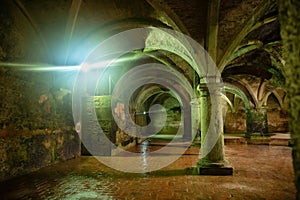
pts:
[259, 121]
[290, 28]
[248, 123]
[212, 160]
[187, 124]
[95, 139]
[195, 115]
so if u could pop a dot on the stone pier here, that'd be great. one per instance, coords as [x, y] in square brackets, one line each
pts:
[212, 160]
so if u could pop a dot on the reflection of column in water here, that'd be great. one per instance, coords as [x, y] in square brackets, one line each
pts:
[144, 147]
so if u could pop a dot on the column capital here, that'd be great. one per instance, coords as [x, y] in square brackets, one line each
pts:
[210, 79]
[206, 86]
[195, 101]
[210, 89]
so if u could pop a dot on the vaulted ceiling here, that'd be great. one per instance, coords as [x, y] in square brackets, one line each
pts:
[241, 36]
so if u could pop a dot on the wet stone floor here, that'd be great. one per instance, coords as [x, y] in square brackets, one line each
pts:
[260, 172]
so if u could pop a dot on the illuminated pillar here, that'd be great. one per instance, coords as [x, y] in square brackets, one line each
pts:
[212, 137]
[187, 124]
[195, 107]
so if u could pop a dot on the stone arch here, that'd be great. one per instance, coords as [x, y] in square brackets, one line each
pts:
[168, 15]
[101, 33]
[227, 100]
[277, 97]
[191, 52]
[245, 89]
[237, 91]
[182, 93]
[161, 98]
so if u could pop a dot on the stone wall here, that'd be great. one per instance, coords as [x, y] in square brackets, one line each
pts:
[24, 153]
[99, 131]
[235, 122]
[276, 121]
[173, 120]
[36, 122]
[125, 138]
[290, 30]
[29, 102]
[96, 126]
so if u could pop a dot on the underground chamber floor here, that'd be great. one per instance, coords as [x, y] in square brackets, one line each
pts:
[260, 172]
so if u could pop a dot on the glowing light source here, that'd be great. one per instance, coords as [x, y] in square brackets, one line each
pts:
[39, 67]
[47, 67]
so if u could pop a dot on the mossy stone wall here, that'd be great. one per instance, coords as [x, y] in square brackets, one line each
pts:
[99, 131]
[273, 121]
[21, 154]
[36, 123]
[96, 126]
[290, 32]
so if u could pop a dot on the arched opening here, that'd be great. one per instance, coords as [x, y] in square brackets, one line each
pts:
[277, 115]
[171, 105]
[238, 124]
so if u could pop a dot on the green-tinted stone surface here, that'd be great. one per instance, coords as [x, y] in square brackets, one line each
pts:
[290, 32]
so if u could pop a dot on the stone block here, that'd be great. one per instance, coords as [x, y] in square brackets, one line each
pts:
[216, 171]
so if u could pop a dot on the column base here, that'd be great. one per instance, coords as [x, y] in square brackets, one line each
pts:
[215, 169]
